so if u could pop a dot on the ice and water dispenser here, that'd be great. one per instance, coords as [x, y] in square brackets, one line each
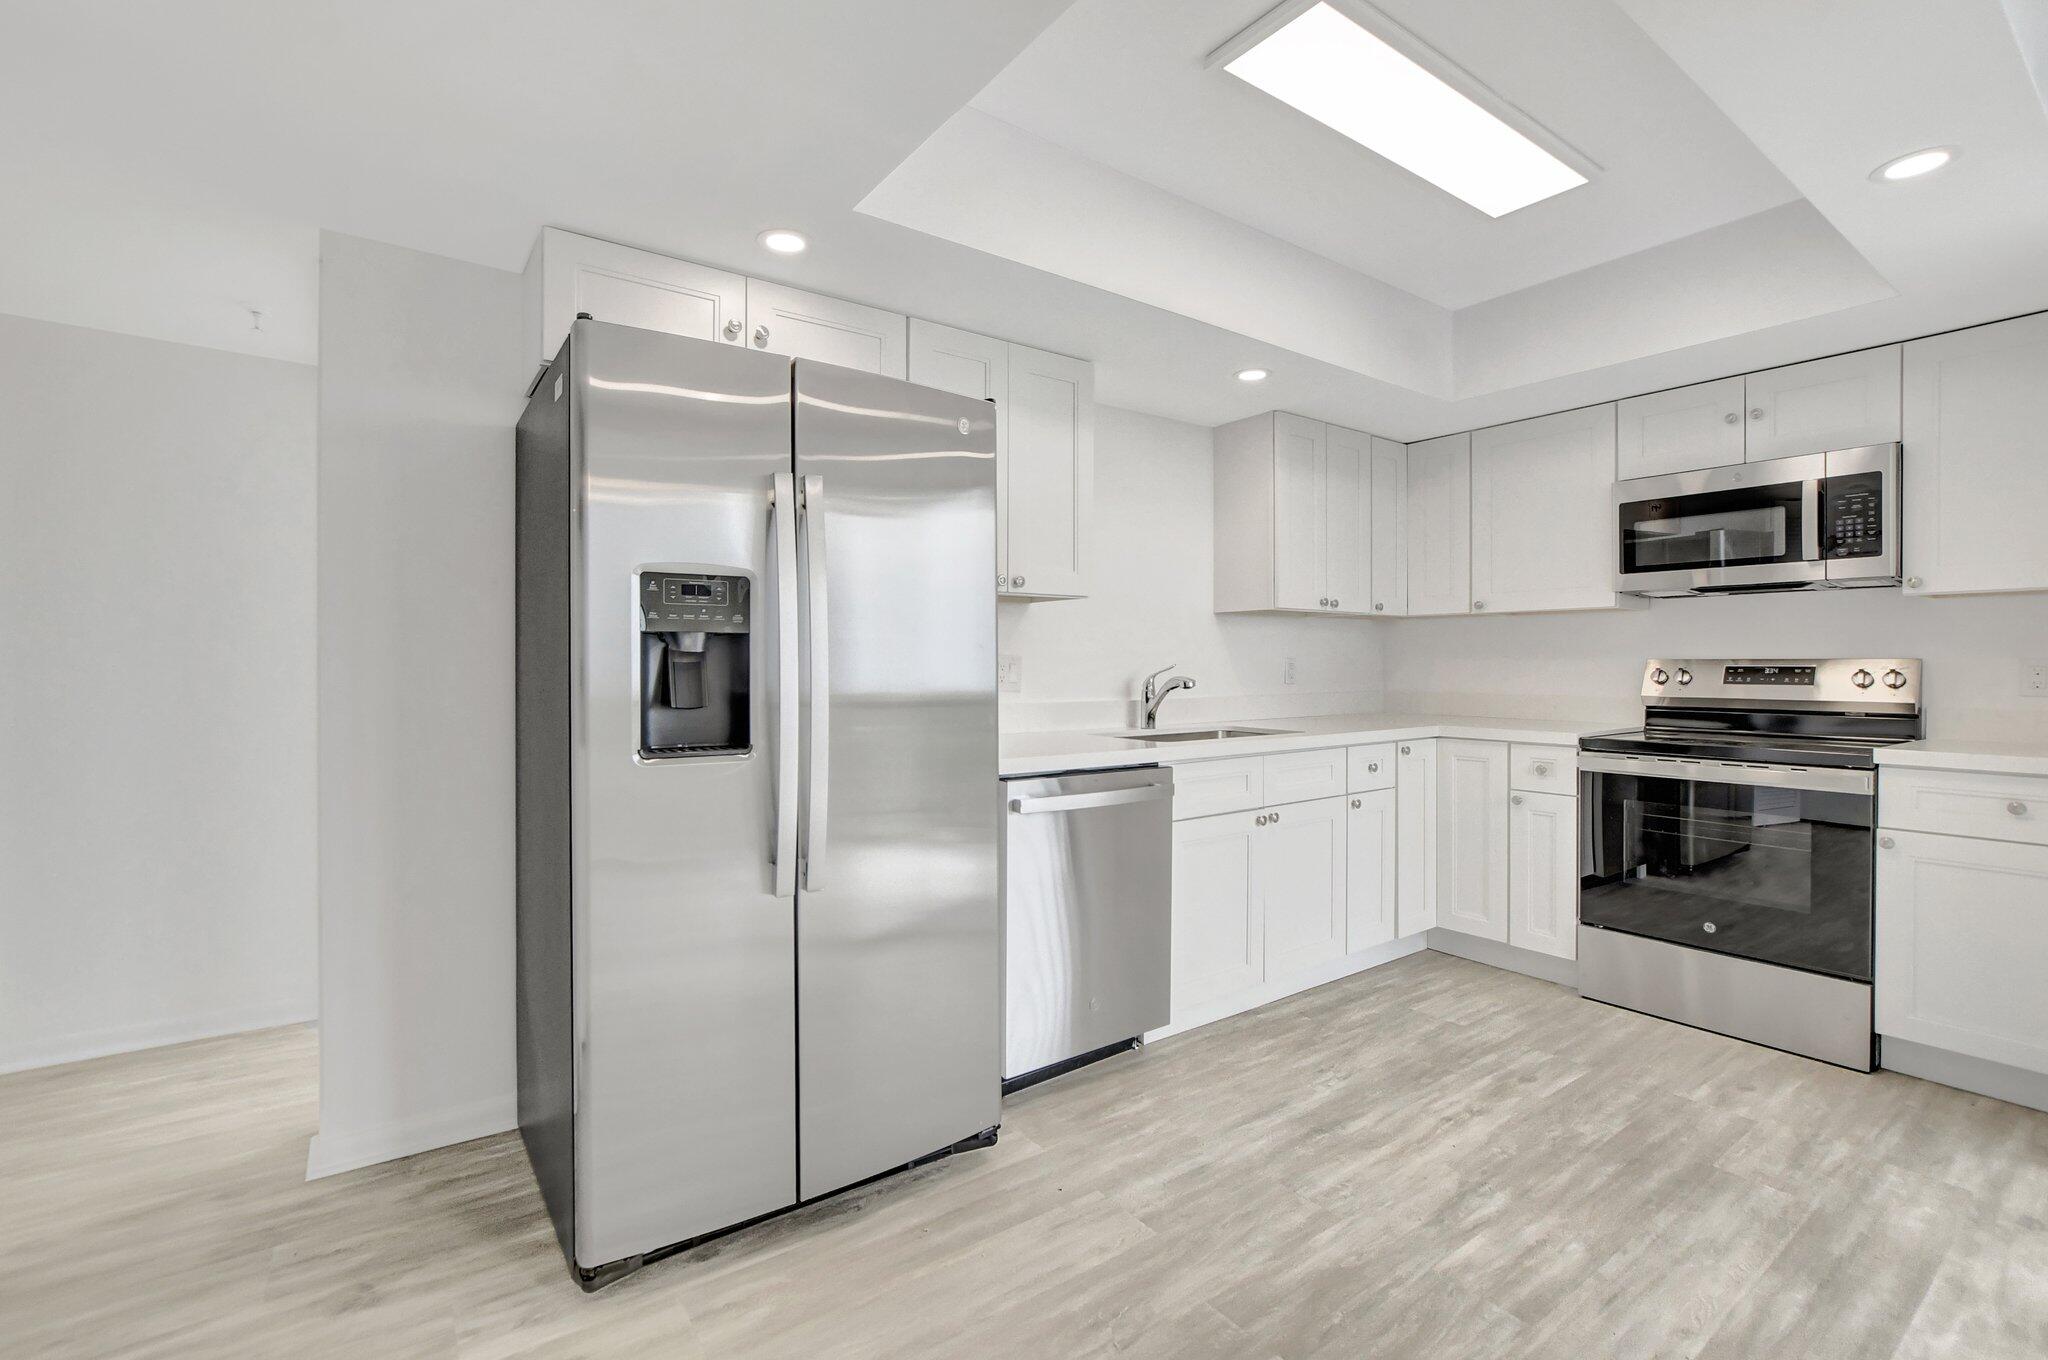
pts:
[693, 664]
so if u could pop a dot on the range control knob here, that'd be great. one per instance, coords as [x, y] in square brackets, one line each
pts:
[1863, 679]
[1894, 678]
[1684, 676]
[1659, 676]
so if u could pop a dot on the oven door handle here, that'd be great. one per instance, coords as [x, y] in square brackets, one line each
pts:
[1820, 779]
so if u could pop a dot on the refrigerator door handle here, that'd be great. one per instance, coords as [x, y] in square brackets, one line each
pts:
[782, 510]
[818, 656]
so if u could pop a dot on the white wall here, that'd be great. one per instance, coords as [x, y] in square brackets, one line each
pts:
[156, 692]
[1589, 666]
[422, 375]
[1150, 602]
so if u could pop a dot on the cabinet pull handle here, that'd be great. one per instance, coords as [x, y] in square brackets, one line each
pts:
[1886, 841]
[2016, 808]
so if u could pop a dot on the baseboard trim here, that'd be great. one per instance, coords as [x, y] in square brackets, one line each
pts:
[330, 1154]
[1255, 997]
[2014, 1085]
[105, 1043]
[1550, 968]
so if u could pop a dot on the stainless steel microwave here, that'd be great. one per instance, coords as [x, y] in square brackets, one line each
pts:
[1813, 522]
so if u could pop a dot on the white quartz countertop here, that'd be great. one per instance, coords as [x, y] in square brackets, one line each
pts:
[1989, 757]
[1026, 753]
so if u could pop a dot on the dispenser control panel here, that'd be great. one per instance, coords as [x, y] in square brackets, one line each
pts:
[676, 602]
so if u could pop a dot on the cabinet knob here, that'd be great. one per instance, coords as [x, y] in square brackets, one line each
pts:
[733, 329]
[1001, 580]
[1324, 602]
[1756, 413]
[1541, 767]
[1731, 418]
[1259, 820]
[1335, 602]
[1272, 817]
[1017, 581]
[1373, 767]
[2016, 808]
[1912, 583]
[1405, 751]
[1358, 802]
[1516, 799]
[760, 335]
[1478, 604]
[1378, 608]
[1886, 842]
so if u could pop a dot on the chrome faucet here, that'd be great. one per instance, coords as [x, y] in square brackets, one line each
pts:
[1155, 693]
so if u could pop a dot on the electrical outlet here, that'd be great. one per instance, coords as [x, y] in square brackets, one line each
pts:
[1287, 672]
[1010, 673]
[2034, 680]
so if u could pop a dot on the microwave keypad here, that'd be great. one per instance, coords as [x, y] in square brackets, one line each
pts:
[1853, 517]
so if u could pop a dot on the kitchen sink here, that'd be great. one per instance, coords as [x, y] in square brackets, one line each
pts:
[1205, 734]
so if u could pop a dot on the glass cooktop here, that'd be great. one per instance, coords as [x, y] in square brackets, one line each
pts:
[1761, 748]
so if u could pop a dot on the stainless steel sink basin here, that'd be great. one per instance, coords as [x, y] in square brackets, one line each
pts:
[1204, 734]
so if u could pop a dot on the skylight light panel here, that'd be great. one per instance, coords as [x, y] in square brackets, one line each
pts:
[1340, 74]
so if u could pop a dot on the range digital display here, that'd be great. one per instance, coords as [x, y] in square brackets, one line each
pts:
[1767, 675]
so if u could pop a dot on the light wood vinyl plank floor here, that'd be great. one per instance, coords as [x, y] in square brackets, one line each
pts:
[1434, 1158]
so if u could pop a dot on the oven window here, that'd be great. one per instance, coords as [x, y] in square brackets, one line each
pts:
[1746, 526]
[1778, 875]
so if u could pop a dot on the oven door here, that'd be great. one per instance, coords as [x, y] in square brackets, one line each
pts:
[1750, 526]
[1771, 863]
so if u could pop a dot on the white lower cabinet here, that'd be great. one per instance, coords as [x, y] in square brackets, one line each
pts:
[1472, 837]
[1298, 867]
[1415, 861]
[1219, 923]
[1543, 873]
[1371, 877]
[1962, 945]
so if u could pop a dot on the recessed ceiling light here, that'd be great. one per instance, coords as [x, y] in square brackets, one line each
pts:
[1251, 375]
[783, 241]
[1329, 67]
[1915, 164]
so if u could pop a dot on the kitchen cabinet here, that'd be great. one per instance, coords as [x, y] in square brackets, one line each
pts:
[1371, 869]
[1962, 945]
[1048, 484]
[1841, 402]
[1205, 787]
[784, 320]
[1472, 837]
[1297, 515]
[1219, 924]
[1975, 407]
[1415, 829]
[1682, 430]
[1439, 509]
[1542, 530]
[1298, 872]
[567, 274]
[1543, 873]
[1387, 563]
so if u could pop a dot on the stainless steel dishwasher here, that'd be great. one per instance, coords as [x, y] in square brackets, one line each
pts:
[1087, 916]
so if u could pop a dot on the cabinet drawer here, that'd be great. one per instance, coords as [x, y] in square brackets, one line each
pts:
[1300, 776]
[1207, 787]
[1995, 807]
[1544, 769]
[1369, 767]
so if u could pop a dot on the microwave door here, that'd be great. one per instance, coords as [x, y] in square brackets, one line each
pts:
[1722, 528]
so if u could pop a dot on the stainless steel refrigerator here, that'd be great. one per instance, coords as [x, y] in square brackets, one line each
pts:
[757, 921]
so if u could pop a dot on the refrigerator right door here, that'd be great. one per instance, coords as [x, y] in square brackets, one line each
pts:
[898, 982]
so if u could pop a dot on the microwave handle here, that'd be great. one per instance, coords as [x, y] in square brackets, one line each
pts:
[1809, 519]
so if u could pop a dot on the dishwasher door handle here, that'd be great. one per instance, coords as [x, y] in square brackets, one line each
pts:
[1081, 802]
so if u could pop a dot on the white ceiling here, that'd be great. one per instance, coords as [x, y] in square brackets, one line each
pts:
[1066, 175]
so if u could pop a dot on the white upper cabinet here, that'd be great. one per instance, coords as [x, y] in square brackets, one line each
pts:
[1440, 525]
[1048, 484]
[783, 320]
[1472, 837]
[1542, 532]
[977, 366]
[1976, 409]
[1295, 515]
[1682, 430]
[1841, 402]
[1387, 556]
[567, 274]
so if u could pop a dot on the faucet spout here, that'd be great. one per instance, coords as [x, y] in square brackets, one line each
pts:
[1156, 692]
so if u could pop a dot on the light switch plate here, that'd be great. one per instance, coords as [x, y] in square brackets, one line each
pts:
[1010, 673]
[1287, 672]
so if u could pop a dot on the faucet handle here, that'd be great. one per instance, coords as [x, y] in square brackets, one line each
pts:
[1153, 678]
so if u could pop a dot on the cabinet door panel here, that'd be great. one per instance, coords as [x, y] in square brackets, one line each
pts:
[1051, 472]
[1440, 525]
[1347, 519]
[784, 320]
[1542, 513]
[1841, 402]
[1203, 788]
[1416, 834]
[1372, 887]
[1962, 946]
[972, 366]
[1472, 837]
[1298, 865]
[1300, 776]
[1219, 927]
[1679, 431]
[1388, 539]
[1543, 873]
[633, 288]
[1300, 523]
[1976, 402]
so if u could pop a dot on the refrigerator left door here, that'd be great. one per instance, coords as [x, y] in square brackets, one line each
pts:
[685, 973]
